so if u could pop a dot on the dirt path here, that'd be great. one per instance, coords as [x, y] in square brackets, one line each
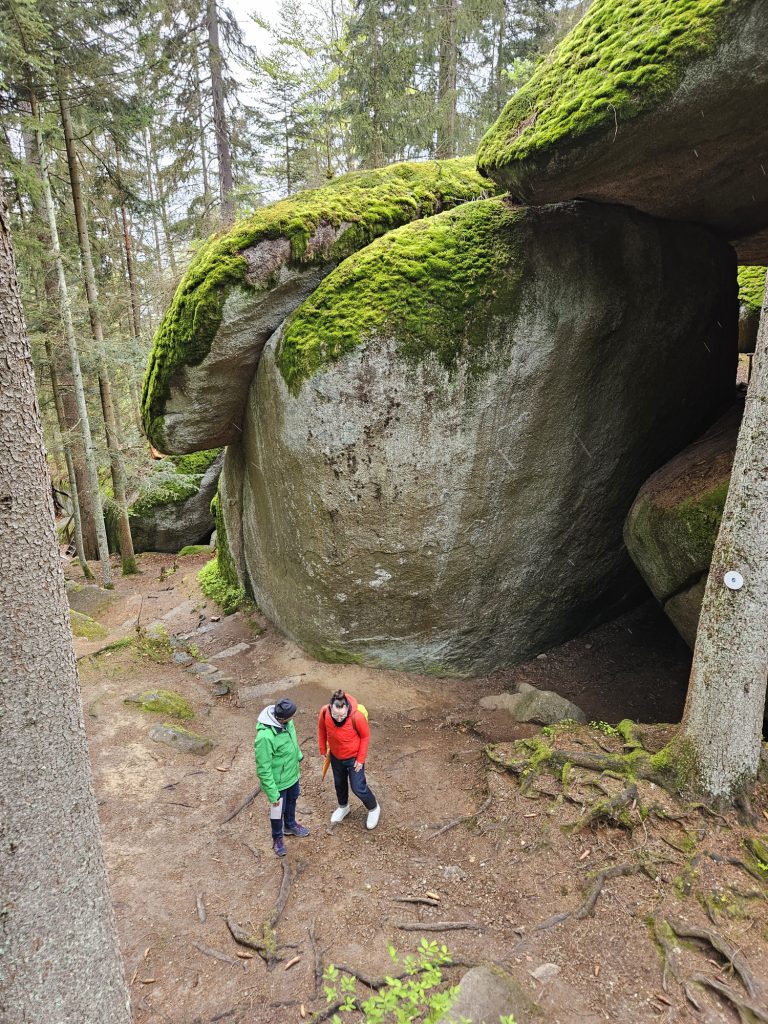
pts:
[167, 848]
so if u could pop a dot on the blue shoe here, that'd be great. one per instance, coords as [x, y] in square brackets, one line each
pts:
[296, 830]
[278, 845]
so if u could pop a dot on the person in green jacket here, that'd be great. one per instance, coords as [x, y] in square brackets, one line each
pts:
[277, 766]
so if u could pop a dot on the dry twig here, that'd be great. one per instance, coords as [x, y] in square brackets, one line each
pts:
[466, 817]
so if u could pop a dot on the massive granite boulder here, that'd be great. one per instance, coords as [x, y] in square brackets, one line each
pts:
[672, 526]
[441, 445]
[242, 284]
[655, 104]
[173, 508]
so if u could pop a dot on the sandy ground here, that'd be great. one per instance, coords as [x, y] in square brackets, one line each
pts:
[516, 864]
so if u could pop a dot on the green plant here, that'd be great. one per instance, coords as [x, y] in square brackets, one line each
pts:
[605, 729]
[214, 585]
[416, 996]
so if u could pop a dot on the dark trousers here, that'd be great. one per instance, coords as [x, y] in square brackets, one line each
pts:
[289, 796]
[344, 776]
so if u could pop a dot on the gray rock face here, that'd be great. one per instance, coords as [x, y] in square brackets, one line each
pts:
[456, 520]
[529, 704]
[174, 525]
[182, 740]
[695, 152]
[672, 526]
[487, 993]
[89, 599]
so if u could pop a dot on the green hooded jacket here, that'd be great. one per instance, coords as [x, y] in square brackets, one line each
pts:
[277, 754]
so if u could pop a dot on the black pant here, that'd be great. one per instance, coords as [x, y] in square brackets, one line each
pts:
[344, 775]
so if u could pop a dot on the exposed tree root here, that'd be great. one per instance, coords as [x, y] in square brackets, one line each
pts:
[586, 908]
[667, 932]
[241, 807]
[613, 810]
[225, 958]
[316, 957]
[437, 926]
[467, 817]
[264, 942]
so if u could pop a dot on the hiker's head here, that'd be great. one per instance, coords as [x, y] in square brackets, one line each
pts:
[285, 709]
[339, 705]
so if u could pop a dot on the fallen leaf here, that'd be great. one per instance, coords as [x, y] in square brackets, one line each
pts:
[533, 814]
[147, 981]
[765, 813]
[302, 1011]
[432, 895]
[662, 999]
[597, 970]
[146, 952]
[585, 855]
[292, 962]
[221, 769]
[244, 956]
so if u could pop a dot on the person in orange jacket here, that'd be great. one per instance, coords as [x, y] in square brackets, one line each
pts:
[343, 733]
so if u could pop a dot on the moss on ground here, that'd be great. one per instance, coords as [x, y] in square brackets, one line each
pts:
[371, 202]
[162, 702]
[195, 549]
[752, 288]
[173, 480]
[230, 598]
[428, 285]
[86, 628]
[623, 57]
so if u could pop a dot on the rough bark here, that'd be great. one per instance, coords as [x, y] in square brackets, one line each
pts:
[61, 959]
[723, 717]
[226, 183]
[446, 86]
[129, 261]
[117, 465]
[77, 377]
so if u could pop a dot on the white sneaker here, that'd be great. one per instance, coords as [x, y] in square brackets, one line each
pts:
[373, 817]
[339, 814]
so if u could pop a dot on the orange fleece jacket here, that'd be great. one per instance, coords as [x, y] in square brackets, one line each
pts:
[350, 739]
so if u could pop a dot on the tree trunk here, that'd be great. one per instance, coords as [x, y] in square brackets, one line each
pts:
[105, 388]
[61, 958]
[129, 263]
[226, 183]
[447, 81]
[152, 202]
[163, 207]
[201, 133]
[722, 724]
[71, 475]
[77, 377]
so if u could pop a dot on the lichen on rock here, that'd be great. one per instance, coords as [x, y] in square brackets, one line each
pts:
[162, 702]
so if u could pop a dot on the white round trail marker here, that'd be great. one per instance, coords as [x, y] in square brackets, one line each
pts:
[733, 580]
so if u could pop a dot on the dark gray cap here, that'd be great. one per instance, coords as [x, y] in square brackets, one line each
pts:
[284, 709]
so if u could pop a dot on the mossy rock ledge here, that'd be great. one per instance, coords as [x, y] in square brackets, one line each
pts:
[655, 104]
[751, 298]
[672, 526]
[441, 445]
[243, 283]
[173, 509]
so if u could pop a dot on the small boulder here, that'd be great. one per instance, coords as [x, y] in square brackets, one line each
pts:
[86, 628]
[544, 707]
[488, 993]
[183, 740]
[89, 599]
[162, 702]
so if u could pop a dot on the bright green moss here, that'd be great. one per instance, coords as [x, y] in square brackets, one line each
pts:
[162, 702]
[429, 285]
[373, 202]
[173, 480]
[225, 562]
[623, 57]
[227, 596]
[195, 549]
[86, 628]
[751, 288]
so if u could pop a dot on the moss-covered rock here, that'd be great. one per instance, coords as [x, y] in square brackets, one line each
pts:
[655, 104]
[219, 586]
[751, 296]
[441, 445]
[162, 702]
[180, 739]
[242, 284]
[173, 509]
[672, 526]
[86, 628]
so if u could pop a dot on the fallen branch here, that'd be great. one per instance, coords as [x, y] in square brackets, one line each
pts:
[248, 800]
[218, 955]
[586, 908]
[466, 817]
[437, 926]
[416, 899]
[200, 903]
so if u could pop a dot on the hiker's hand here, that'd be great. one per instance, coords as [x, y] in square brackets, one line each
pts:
[358, 766]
